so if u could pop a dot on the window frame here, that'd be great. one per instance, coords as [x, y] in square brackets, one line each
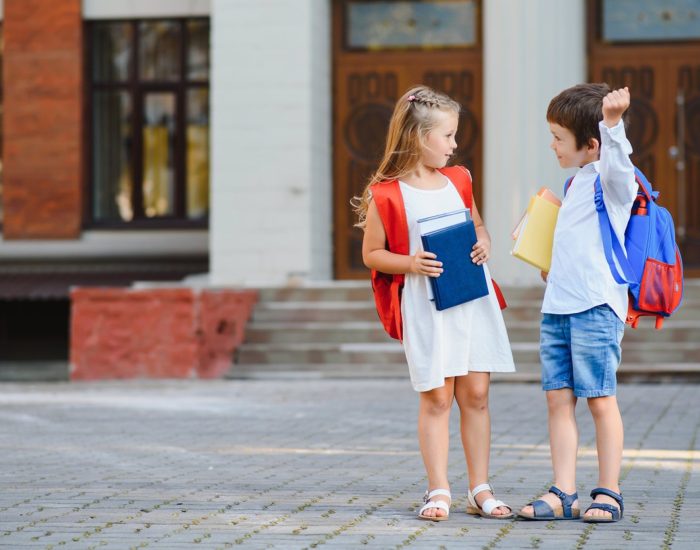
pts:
[138, 89]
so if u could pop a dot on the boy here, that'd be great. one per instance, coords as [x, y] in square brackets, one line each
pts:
[584, 309]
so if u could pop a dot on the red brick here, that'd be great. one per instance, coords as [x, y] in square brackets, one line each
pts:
[156, 333]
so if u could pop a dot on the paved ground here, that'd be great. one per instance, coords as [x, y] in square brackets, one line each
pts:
[301, 464]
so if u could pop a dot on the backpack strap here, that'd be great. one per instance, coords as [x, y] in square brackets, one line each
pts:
[462, 180]
[611, 244]
[567, 184]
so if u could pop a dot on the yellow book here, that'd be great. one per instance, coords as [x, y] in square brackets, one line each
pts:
[535, 232]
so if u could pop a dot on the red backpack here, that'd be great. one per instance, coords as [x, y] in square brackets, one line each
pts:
[388, 288]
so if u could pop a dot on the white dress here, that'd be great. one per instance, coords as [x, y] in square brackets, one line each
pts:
[442, 344]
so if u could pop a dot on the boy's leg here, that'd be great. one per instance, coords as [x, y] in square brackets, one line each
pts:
[609, 443]
[596, 335]
[557, 381]
[434, 438]
[563, 443]
[472, 394]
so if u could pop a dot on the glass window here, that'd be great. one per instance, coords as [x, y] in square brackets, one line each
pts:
[651, 20]
[411, 24]
[149, 153]
[2, 42]
[159, 50]
[112, 52]
[198, 50]
[158, 183]
[197, 153]
[112, 197]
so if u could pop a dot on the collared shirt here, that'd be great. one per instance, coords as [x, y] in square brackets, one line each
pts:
[579, 277]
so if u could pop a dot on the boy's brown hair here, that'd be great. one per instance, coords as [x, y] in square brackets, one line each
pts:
[579, 109]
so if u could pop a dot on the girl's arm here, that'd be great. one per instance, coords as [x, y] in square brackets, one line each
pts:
[481, 251]
[376, 256]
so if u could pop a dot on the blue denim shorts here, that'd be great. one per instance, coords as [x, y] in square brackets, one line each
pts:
[581, 351]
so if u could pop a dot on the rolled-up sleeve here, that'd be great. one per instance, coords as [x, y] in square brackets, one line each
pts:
[616, 168]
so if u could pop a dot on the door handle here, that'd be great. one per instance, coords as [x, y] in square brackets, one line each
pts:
[679, 157]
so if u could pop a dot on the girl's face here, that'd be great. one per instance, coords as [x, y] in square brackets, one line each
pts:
[439, 144]
[564, 146]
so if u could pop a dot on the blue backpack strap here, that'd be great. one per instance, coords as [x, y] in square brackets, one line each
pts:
[567, 184]
[611, 244]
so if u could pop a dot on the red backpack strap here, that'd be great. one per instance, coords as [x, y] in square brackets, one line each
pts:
[462, 180]
[387, 288]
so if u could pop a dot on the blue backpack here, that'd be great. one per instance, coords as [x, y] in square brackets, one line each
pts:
[650, 262]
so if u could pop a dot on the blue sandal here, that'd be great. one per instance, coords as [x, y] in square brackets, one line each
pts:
[542, 511]
[614, 511]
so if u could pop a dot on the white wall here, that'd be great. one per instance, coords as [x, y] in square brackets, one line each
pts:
[271, 155]
[532, 51]
[134, 9]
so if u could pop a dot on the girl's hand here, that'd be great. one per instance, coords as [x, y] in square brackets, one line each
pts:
[425, 263]
[481, 252]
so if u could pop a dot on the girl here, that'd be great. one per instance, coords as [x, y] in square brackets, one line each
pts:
[450, 353]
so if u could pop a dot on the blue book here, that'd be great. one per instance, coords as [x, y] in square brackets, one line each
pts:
[461, 280]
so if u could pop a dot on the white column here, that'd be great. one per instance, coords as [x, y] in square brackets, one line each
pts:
[532, 51]
[271, 141]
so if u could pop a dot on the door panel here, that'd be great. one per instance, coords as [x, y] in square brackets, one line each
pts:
[663, 122]
[366, 87]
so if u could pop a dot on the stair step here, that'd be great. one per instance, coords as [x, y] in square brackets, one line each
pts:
[383, 353]
[361, 290]
[363, 310]
[526, 372]
[371, 331]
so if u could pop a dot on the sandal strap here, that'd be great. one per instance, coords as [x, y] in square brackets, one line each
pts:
[441, 504]
[481, 488]
[491, 504]
[612, 494]
[613, 510]
[541, 509]
[437, 492]
[567, 500]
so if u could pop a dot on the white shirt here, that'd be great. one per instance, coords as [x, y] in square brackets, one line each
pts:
[579, 277]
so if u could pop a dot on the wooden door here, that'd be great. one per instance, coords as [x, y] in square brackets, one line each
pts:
[367, 83]
[664, 119]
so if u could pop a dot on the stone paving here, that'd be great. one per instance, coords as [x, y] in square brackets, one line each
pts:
[313, 463]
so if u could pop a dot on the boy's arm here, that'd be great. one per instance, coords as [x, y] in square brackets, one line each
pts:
[616, 168]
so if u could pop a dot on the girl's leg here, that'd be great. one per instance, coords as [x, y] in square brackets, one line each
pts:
[434, 437]
[609, 442]
[563, 443]
[472, 393]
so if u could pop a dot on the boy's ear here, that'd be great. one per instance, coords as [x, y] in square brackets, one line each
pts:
[593, 145]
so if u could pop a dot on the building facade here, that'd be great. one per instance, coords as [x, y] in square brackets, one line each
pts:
[156, 139]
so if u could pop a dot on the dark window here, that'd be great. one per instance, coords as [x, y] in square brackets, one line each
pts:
[2, 42]
[148, 136]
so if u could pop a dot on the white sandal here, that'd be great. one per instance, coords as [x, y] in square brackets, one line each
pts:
[440, 504]
[489, 505]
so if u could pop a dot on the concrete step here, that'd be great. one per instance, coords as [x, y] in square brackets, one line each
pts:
[362, 291]
[372, 332]
[526, 372]
[364, 310]
[383, 353]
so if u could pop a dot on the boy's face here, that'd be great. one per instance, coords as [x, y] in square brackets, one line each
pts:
[564, 146]
[439, 143]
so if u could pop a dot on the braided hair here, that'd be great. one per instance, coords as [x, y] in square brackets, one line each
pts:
[413, 118]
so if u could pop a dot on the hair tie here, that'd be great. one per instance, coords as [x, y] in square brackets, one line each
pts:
[411, 98]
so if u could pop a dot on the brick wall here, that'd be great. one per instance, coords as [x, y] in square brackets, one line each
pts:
[156, 333]
[42, 126]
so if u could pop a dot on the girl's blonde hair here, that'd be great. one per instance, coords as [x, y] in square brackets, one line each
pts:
[412, 119]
